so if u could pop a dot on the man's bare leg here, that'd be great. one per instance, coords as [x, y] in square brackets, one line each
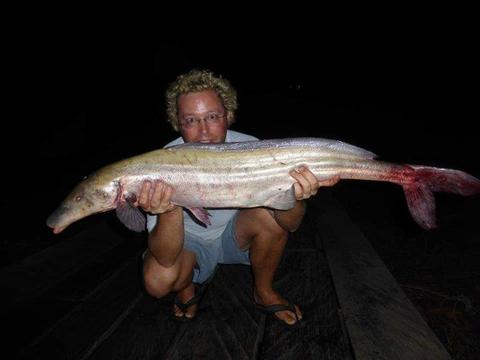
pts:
[160, 281]
[256, 229]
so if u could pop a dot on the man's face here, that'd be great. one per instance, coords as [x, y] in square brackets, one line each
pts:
[202, 117]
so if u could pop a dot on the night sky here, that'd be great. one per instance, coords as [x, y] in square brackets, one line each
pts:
[89, 91]
[83, 101]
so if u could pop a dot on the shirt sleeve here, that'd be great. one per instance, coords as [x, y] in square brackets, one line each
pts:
[151, 222]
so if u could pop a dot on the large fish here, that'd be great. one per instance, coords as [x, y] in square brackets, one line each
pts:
[249, 174]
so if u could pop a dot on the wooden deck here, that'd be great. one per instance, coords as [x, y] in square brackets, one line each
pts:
[82, 299]
[381, 321]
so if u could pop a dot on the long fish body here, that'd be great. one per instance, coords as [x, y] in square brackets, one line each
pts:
[249, 174]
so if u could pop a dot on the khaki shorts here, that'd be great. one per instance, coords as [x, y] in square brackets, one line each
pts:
[210, 253]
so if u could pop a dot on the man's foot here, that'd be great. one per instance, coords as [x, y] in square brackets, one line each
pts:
[185, 305]
[284, 310]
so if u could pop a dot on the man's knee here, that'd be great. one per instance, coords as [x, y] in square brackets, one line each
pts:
[259, 223]
[159, 280]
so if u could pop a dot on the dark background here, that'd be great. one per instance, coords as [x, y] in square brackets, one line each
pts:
[402, 82]
[82, 99]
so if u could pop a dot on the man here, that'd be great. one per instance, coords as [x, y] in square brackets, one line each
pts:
[182, 254]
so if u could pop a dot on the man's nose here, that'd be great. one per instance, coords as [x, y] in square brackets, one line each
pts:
[203, 125]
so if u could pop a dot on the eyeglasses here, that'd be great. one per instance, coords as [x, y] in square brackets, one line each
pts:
[212, 118]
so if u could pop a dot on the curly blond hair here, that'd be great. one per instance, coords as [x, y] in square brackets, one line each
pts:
[195, 81]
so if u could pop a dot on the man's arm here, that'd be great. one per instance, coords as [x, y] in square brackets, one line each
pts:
[165, 241]
[306, 186]
[290, 220]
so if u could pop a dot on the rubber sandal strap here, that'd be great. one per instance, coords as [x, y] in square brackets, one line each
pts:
[200, 290]
[272, 309]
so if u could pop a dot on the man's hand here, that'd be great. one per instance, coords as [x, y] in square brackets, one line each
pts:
[155, 197]
[307, 184]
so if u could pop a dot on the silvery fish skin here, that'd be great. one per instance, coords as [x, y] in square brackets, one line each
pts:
[250, 174]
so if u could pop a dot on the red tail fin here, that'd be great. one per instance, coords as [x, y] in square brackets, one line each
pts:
[419, 194]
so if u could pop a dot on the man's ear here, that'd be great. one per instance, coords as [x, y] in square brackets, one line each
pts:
[229, 117]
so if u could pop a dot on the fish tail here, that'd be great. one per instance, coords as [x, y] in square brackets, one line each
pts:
[426, 180]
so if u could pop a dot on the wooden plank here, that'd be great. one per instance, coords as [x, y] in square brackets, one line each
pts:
[305, 279]
[81, 331]
[27, 320]
[222, 328]
[228, 327]
[380, 319]
[145, 333]
[36, 274]
[200, 340]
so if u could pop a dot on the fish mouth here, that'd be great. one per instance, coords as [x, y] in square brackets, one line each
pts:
[63, 217]
[57, 219]
[58, 229]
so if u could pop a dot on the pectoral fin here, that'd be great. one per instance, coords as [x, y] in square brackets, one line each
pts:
[131, 216]
[201, 214]
[282, 200]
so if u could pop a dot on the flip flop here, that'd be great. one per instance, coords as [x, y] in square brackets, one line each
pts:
[200, 290]
[272, 309]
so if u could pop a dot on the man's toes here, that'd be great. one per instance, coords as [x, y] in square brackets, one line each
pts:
[299, 313]
[286, 316]
[177, 311]
[289, 317]
[190, 313]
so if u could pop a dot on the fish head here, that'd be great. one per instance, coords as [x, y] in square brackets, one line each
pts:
[93, 195]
